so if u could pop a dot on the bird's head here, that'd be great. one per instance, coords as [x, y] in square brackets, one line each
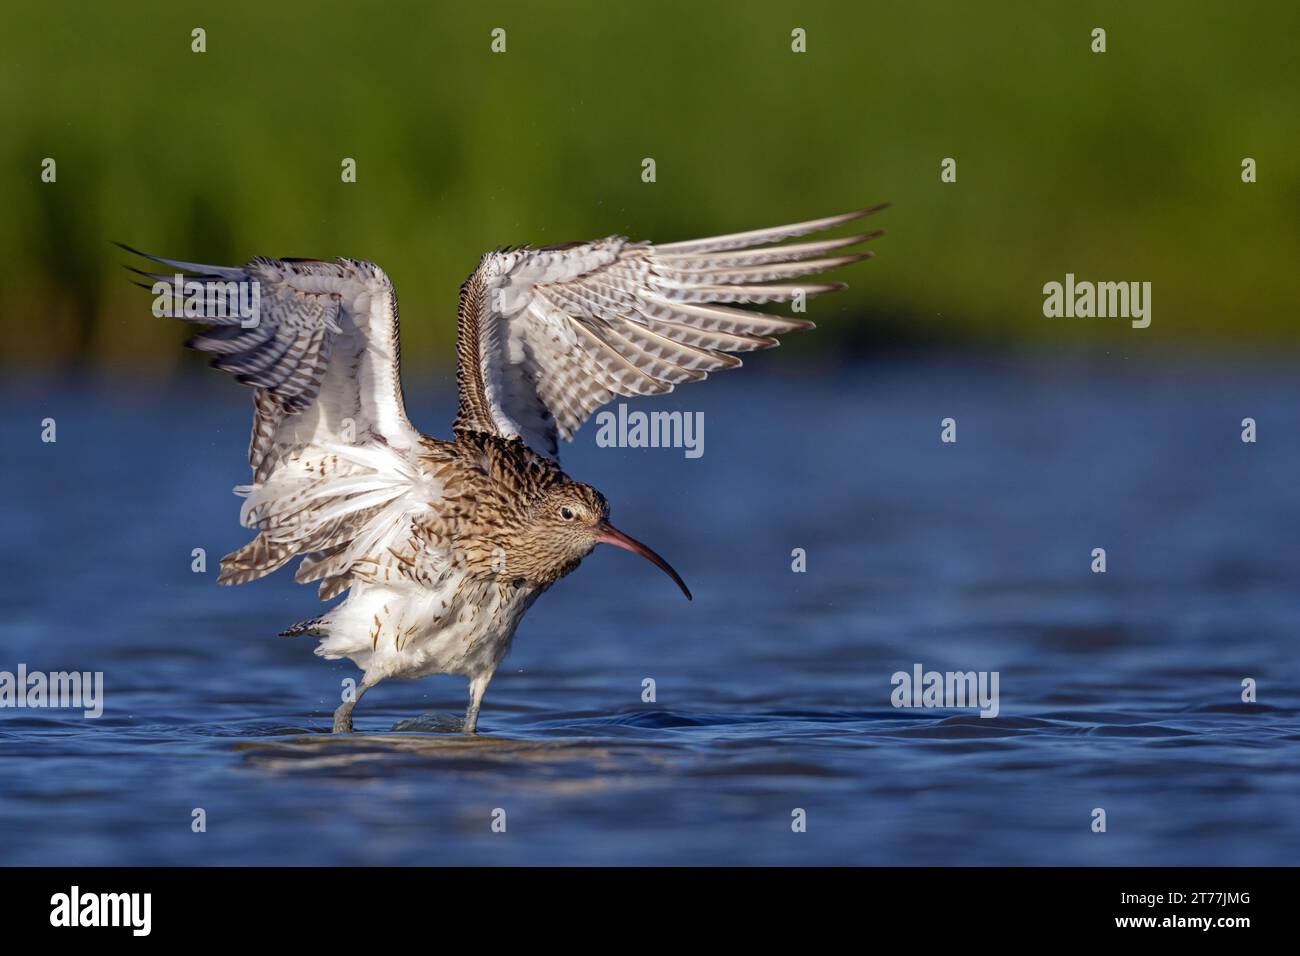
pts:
[564, 526]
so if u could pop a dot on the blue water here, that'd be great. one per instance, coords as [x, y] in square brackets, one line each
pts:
[1119, 691]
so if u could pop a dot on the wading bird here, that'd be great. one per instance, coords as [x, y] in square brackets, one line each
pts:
[443, 546]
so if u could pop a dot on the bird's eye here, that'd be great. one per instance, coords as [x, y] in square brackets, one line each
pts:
[566, 513]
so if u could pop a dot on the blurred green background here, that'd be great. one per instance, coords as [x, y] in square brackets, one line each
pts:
[1116, 166]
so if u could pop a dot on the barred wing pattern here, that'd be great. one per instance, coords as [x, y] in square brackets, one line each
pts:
[335, 475]
[547, 336]
[324, 353]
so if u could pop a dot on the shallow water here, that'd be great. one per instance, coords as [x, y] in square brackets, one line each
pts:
[1118, 690]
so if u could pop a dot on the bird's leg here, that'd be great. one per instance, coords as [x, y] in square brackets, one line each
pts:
[477, 688]
[343, 716]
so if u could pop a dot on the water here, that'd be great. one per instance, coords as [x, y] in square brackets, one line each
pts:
[1120, 691]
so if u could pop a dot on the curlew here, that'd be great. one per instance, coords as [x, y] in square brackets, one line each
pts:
[442, 546]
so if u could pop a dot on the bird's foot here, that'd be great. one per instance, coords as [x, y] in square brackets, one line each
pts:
[343, 719]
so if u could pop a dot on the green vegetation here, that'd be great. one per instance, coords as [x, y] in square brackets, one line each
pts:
[1116, 166]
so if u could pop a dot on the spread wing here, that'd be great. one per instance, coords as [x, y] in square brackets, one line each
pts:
[335, 474]
[547, 336]
[322, 354]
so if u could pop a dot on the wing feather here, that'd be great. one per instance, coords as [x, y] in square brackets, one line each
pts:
[547, 336]
[334, 456]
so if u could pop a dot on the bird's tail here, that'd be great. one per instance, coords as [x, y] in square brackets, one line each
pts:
[316, 627]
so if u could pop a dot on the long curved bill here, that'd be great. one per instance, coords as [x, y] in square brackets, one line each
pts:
[611, 535]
